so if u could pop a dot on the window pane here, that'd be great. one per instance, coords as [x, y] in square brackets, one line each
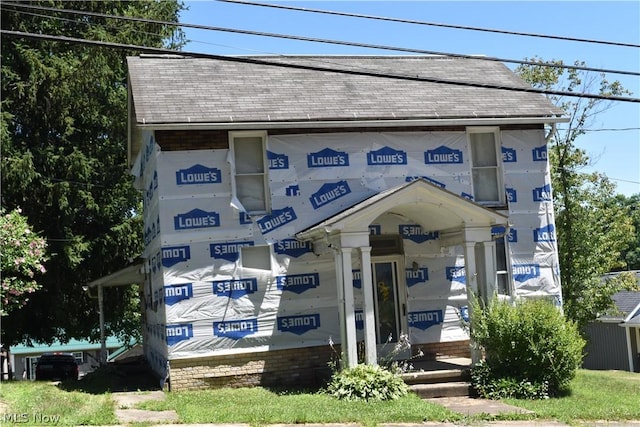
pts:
[248, 155]
[501, 254]
[256, 257]
[483, 149]
[503, 284]
[250, 189]
[485, 185]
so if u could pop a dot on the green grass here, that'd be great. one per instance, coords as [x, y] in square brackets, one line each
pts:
[259, 406]
[40, 403]
[594, 395]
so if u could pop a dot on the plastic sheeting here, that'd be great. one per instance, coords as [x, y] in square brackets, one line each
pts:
[201, 299]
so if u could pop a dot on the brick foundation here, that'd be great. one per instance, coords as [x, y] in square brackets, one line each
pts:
[300, 367]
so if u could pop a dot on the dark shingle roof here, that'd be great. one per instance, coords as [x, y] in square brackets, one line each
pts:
[174, 89]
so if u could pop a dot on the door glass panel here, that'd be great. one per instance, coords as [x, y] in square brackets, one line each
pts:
[386, 302]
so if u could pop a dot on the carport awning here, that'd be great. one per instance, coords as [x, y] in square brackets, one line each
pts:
[133, 274]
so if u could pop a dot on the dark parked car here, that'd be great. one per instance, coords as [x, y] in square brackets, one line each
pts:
[56, 366]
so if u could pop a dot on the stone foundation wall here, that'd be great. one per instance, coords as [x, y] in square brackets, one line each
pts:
[300, 367]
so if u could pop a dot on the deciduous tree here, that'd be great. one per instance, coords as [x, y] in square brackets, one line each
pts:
[592, 229]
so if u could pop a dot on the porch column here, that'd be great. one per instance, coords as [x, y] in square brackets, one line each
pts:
[472, 289]
[346, 307]
[103, 343]
[371, 355]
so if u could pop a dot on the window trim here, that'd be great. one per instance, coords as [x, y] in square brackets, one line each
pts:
[495, 130]
[507, 262]
[265, 174]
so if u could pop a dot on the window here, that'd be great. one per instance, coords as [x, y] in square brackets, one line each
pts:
[485, 165]
[258, 257]
[79, 356]
[249, 170]
[502, 270]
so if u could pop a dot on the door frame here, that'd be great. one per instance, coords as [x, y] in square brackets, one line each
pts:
[386, 349]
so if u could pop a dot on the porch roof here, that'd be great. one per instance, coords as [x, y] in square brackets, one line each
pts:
[420, 201]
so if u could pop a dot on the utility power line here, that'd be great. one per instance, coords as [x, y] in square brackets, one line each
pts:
[325, 41]
[257, 61]
[433, 24]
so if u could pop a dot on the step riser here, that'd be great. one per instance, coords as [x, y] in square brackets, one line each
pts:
[429, 391]
[436, 377]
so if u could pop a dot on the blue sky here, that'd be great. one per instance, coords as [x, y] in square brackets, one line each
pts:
[615, 153]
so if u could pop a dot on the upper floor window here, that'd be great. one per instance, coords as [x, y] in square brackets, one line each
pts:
[249, 170]
[485, 165]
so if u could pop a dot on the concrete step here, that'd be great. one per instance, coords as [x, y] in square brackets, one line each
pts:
[439, 376]
[446, 389]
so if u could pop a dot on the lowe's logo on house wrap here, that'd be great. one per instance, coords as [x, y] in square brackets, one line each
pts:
[425, 319]
[524, 272]
[278, 218]
[386, 156]
[359, 315]
[456, 273]
[196, 218]
[426, 178]
[227, 251]
[175, 254]
[235, 329]
[544, 234]
[498, 231]
[442, 155]
[327, 157]
[175, 293]
[420, 275]
[177, 333]
[328, 193]
[512, 235]
[512, 195]
[375, 229]
[292, 191]
[198, 174]
[539, 154]
[298, 324]
[235, 288]
[509, 155]
[416, 234]
[542, 194]
[292, 247]
[298, 283]
[244, 218]
[277, 161]
[357, 278]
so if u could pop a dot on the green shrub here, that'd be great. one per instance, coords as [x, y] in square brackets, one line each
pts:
[367, 382]
[530, 348]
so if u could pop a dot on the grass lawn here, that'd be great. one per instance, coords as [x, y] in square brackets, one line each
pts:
[41, 403]
[595, 395]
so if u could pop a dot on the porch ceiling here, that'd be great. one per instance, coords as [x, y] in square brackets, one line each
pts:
[418, 202]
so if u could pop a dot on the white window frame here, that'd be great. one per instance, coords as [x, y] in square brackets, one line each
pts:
[507, 263]
[501, 201]
[265, 168]
[79, 356]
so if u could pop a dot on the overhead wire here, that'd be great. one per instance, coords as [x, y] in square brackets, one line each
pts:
[433, 24]
[257, 61]
[325, 41]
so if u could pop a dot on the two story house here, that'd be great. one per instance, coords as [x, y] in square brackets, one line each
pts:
[298, 207]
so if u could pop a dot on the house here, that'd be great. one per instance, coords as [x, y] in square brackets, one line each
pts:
[300, 207]
[614, 338]
[87, 354]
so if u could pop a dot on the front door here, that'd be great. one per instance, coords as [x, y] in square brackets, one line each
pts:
[390, 299]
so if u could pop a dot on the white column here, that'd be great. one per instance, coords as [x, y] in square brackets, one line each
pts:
[371, 355]
[103, 342]
[472, 288]
[344, 276]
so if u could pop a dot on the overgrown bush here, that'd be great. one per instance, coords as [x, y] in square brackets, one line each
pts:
[367, 382]
[531, 350]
